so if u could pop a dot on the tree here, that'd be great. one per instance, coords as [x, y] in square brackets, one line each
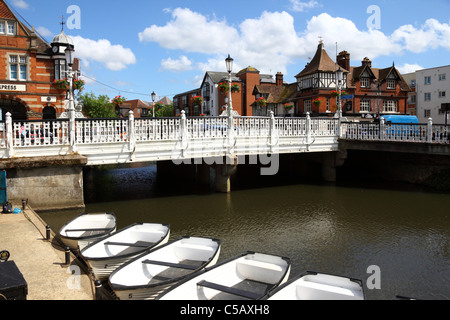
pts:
[164, 111]
[97, 107]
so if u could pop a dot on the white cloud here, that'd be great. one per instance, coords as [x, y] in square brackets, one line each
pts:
[409, 68]
[20, 4]
[301, 6]
[182, 64]
[432, 34]
[271, 42]
[113, 57]
[371, 43]
[191, 32]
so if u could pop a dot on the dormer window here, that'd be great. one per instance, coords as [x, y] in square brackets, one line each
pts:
[391, 84]
[7, 27]
[365, 82]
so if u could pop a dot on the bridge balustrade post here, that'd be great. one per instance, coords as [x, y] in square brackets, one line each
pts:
[9, 135]
[131, 132]
[183, 132]
[272, 132]
[230, 131]
[308, 128]
[430, 130]
[382, 130]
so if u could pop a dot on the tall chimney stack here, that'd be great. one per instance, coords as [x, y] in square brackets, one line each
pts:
[279, 79]
[343, 60]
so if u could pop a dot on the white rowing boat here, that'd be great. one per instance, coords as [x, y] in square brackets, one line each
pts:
[87, 228]
[318, 286]
[147, 275]
[247, 276]
[107, 254]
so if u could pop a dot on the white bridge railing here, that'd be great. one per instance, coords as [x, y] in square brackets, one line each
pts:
[150, 139]
[418, 133]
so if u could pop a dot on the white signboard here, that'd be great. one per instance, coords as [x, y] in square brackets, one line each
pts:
[13, 87]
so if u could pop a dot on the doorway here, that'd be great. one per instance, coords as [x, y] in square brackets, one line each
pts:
[18, 111]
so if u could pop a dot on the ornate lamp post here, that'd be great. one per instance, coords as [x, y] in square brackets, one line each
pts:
[153, 100]
[70, 75]
[339, 79]
[229, 64]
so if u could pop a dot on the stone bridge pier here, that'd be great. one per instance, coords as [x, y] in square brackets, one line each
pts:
[216, 172]
[46, 183]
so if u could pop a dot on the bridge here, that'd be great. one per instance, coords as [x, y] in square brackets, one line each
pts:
[220, 141]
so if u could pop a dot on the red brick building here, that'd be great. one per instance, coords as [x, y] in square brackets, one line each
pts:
[365, 90]
[28, 67]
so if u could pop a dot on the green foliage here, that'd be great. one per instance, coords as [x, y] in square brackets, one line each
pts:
[164, 111]
[97, 107]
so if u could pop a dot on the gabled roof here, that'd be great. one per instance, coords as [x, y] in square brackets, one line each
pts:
[320, 63]
[379, 74]
[384, 74]
[6, 13]
[358, 71]
[276, 94]
[166, 101]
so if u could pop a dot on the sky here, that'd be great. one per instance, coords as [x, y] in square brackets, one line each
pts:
[136, 47]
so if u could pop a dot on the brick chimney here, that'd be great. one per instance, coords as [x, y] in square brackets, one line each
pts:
[343, 60]
[367, 61]
[279, 79]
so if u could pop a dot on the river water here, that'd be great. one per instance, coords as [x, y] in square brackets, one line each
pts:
[396, 240]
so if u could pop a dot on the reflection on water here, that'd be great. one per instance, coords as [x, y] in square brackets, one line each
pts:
[331, 229]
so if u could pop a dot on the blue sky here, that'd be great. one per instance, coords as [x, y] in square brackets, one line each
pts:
[136, 47]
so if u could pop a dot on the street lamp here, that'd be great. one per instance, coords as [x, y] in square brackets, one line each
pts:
[339, 80]
[229, 64]
[69, 52]
[153, 99]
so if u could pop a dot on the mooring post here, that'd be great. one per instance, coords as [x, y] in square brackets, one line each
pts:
[67, 253]
[98, 290]
[47, 230]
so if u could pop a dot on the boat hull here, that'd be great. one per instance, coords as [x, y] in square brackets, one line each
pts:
[87, 228]
[107, 254]
[318, 286]
[247, 276]
[146, 276]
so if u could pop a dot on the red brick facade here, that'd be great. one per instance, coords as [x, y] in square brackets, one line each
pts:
[27, 70]
[366, 90]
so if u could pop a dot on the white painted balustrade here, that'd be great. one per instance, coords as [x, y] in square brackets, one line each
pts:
[418, 133]
[106, 141]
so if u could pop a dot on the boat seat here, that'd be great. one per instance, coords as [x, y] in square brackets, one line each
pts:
[139, 244]
[193, 251]
[170, 264]
[309, 290]
[259, 271]
[234, 291]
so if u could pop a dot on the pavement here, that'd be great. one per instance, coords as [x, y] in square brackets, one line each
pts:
[42, 262]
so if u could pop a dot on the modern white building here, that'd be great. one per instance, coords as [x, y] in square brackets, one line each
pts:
[432, 93]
